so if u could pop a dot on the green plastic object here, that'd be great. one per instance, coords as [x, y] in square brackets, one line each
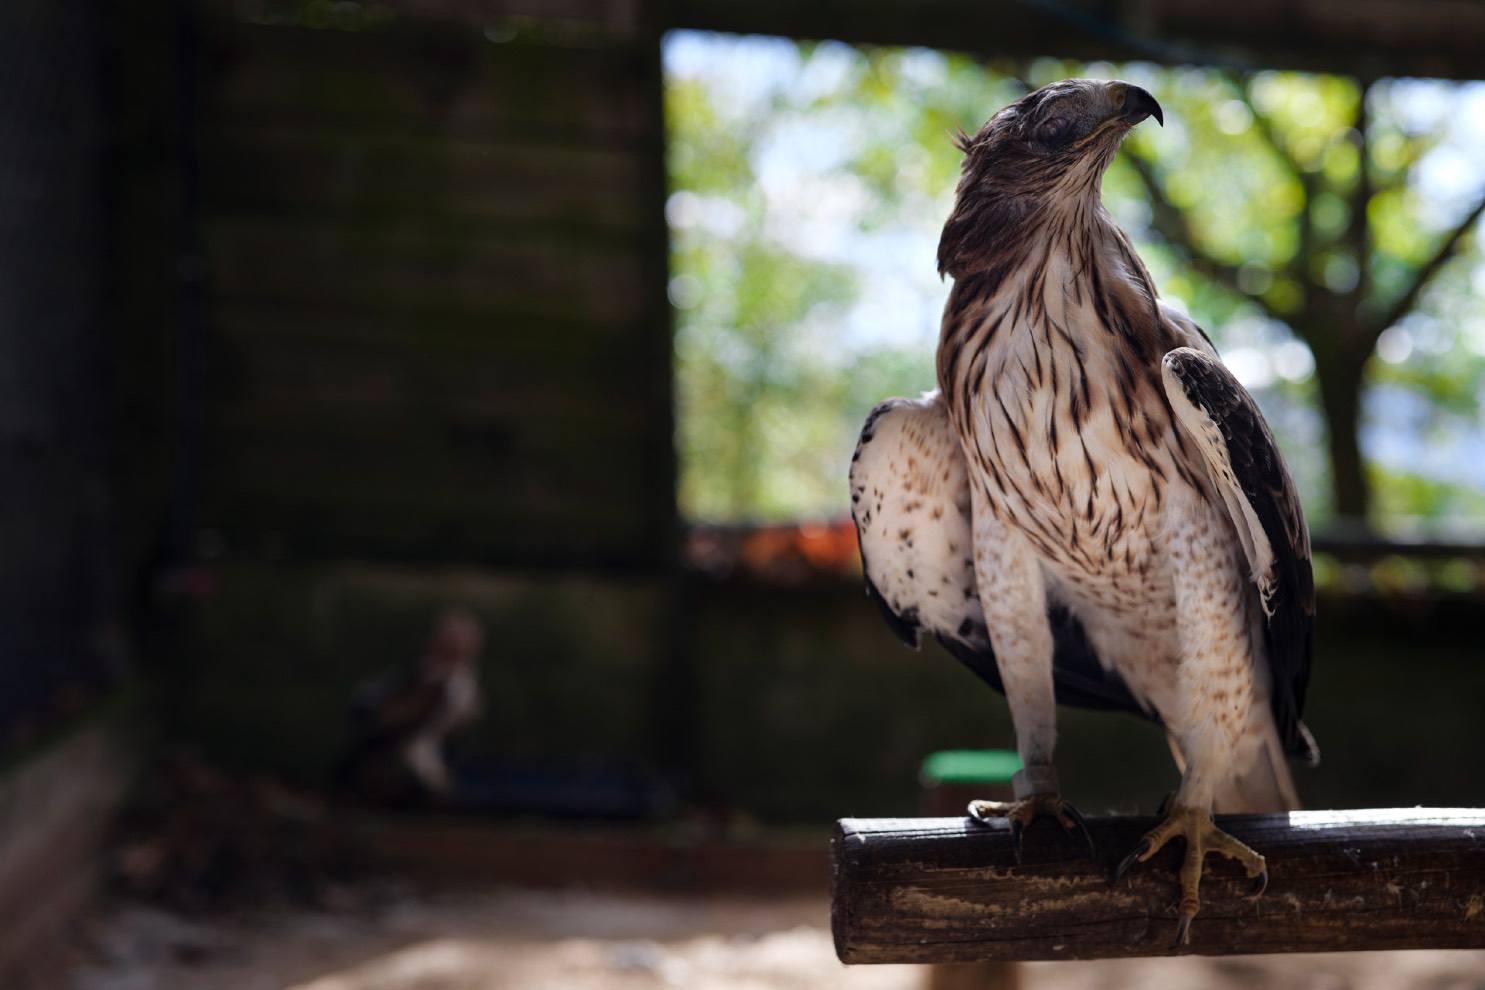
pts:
[970, 766]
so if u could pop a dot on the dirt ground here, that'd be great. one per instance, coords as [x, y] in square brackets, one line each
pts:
[545, 940]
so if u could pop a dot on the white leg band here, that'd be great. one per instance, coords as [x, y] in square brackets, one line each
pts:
[1034, 780]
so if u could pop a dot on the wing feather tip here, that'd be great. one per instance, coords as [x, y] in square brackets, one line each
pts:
[904, 625]
[1303, 746]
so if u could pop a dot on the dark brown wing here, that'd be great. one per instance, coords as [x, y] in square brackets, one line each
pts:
[1219, 416]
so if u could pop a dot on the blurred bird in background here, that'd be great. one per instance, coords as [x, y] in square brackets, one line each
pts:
[404, 715]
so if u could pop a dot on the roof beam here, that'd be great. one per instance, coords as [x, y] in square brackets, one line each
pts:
[1364, 38]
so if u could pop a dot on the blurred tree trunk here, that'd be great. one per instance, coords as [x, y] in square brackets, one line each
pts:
[1340, 374]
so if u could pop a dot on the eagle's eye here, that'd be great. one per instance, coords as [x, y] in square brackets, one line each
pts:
[1052, 131]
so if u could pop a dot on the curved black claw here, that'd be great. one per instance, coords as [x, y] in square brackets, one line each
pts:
[1134, 856]
[1183, 929]
[1082, 825]
[984, 812]
[1019, 814]
[1259, 885]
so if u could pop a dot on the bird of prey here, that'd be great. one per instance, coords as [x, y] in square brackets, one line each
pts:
[403, 715]
[1090, 508]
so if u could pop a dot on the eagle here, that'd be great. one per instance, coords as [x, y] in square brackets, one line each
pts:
[1090, 508]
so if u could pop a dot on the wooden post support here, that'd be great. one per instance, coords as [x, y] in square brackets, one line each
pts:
[951, 779]
[944, 890]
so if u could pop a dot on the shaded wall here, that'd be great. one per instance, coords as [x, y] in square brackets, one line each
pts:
[65, 761]
[571, 673]
[437, 371]
[437, 327]
[810, 709]
[56, 580]
[796, 703]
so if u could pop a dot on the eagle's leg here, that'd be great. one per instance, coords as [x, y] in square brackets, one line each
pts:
[1035, 790]
[1215, 697]
[1012, 589]
[1202, 836]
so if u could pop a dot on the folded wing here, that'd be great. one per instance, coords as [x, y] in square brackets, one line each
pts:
[911, 504]
[1218, 415]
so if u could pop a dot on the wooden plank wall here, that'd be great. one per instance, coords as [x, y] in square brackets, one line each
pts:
[437, 370]
[437, 327]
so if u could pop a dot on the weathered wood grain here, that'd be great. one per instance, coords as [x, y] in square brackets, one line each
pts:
[949, 890]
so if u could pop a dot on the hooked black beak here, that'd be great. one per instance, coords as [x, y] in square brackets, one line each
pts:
[1139, 104]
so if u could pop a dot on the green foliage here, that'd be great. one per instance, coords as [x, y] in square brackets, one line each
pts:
[754, 395]
[1291, 214]
[1324, 218]
[1408, 496]
[770, 390]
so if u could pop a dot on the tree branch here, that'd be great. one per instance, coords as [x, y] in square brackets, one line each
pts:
[1264, 125]
[1404, 303]
[1263, 122]
[1171, 222]
[1358, 234]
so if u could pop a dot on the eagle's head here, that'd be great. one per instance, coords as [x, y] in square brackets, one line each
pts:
[1048, 149]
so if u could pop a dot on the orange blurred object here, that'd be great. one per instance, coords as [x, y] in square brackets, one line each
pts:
[786, 553]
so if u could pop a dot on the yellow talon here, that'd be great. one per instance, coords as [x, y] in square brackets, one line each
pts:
[1202, 836]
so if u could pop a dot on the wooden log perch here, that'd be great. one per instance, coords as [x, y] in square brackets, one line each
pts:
[946, 890]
